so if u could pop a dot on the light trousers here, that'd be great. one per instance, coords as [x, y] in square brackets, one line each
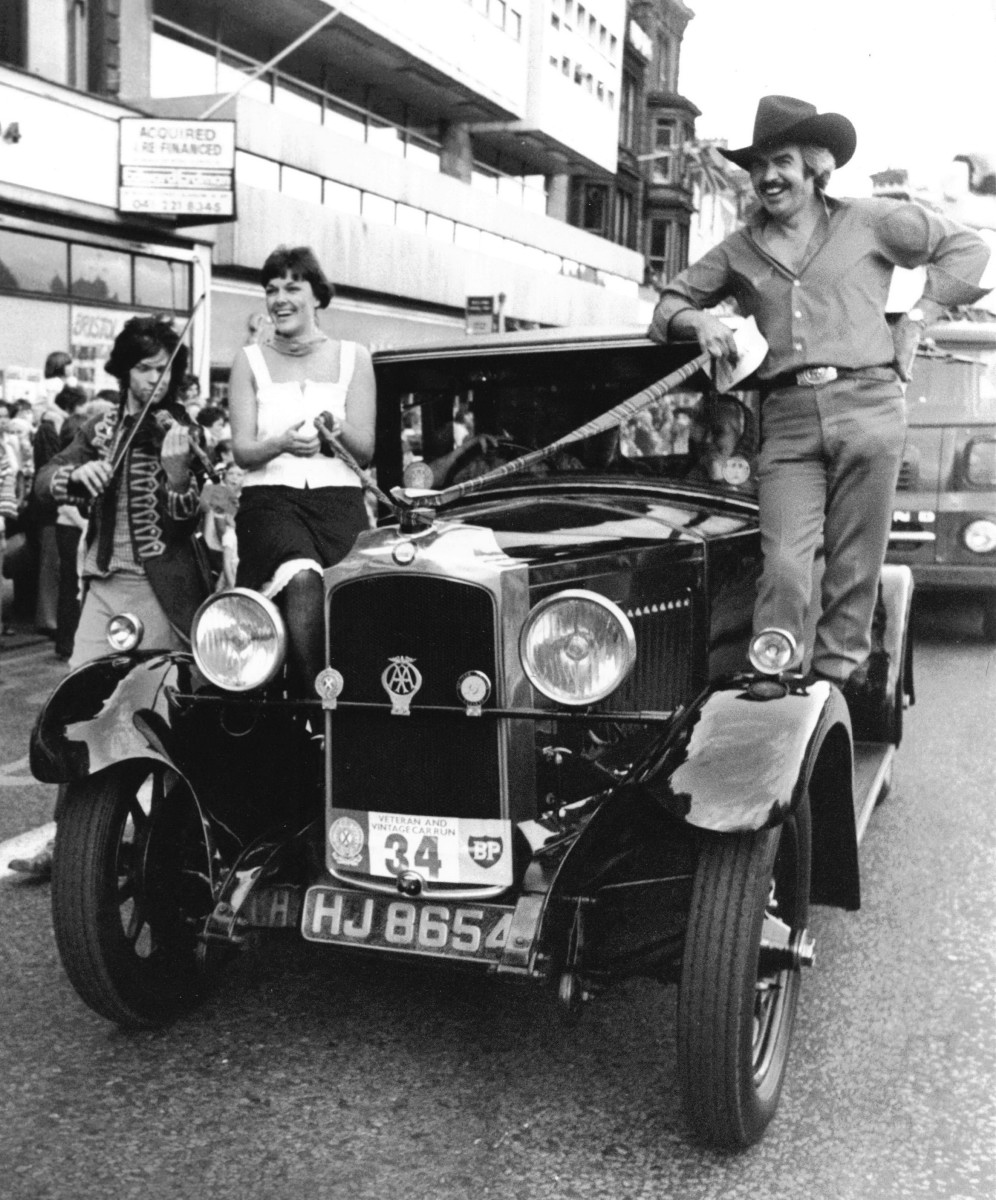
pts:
[828, 465]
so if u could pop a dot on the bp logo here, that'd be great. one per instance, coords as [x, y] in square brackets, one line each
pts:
[485, 851]
[346, 838]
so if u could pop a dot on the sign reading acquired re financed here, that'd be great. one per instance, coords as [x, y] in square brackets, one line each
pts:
[172, 166]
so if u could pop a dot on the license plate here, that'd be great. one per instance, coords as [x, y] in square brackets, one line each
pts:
[272, 908]
[458, 931]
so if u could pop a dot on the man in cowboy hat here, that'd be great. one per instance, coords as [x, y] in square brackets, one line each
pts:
[815, 272]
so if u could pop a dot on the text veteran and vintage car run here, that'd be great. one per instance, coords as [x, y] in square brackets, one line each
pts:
[539, 748]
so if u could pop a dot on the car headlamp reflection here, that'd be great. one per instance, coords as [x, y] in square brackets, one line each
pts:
[577, 647]
[239, 640]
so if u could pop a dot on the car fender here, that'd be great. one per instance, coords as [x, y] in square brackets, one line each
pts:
[104, 712]
[744, 755]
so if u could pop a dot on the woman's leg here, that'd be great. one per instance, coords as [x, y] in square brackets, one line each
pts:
[301, 603]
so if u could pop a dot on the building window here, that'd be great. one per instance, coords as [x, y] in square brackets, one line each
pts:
[623, 230]
[590, 206]
[664, 72]
[660, 236]
[99, 274]
[627, 111]
[33, 264]
[161, 284]
[665, 148]
[76, 72]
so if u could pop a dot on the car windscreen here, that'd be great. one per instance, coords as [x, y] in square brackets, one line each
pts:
[955, 387]
[467, 431]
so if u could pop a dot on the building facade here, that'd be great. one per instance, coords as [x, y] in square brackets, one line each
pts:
[528, 151]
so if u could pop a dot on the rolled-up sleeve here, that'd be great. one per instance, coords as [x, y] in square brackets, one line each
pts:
[955, 257]
[703, 284]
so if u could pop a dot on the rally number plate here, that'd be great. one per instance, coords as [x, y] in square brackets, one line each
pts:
[459, 931]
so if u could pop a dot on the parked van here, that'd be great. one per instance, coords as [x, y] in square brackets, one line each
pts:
[944, 526]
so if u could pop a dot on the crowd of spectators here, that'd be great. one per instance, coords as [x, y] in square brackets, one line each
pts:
[40, 543]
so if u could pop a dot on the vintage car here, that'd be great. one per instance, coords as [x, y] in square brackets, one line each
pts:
[544, 747]
[944, 525]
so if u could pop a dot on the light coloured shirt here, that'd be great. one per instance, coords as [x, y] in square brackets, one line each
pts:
[279, 405]
[831, 312]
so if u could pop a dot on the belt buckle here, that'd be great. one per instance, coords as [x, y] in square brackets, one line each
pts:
[813, 376]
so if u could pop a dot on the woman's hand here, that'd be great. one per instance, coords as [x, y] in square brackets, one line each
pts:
[93, 476]
[300, 441]
[175, 457]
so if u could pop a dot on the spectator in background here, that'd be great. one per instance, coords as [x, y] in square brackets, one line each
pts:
[9, 500]
[58, 375]
[214, 422]
[42, 517]
[190, 396]
[70, 525]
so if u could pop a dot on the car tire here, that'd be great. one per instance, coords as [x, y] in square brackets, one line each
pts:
[735, 1011]
[130, 888]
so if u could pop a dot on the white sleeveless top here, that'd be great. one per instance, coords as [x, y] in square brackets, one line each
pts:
[279, 405]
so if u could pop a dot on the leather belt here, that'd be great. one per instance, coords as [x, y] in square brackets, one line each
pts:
[813, 377]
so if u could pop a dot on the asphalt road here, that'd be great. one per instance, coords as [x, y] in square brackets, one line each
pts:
[304, 1075]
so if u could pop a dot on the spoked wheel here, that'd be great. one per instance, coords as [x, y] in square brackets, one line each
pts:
[130, 888]
[745, 945]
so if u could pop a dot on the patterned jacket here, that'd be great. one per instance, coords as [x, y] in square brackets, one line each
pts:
[162, 523]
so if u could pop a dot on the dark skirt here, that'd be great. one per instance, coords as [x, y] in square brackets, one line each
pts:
[275, 524]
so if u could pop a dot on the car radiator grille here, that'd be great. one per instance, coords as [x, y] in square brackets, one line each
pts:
[432, 767]
[662, 677]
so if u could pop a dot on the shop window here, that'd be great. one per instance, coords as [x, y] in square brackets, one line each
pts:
[33, 264]
[161, 284]
[100, 274]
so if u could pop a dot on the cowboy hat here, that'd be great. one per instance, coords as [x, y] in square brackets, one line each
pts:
[783, 119]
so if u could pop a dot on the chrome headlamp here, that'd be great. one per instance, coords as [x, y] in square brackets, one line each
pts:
[239, 640]
[980, 536]
[772, 651]
[124, 632]
[577, 647]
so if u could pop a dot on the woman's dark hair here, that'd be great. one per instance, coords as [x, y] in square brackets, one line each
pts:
[141, 338]
[210, 415]
[70, 399]
[299, 262]
[56, 363]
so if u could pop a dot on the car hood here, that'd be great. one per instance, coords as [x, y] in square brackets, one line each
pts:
[553, 527]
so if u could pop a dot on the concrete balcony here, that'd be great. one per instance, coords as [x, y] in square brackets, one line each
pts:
[384, 260]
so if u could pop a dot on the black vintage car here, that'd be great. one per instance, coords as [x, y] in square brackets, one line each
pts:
[544, 747]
